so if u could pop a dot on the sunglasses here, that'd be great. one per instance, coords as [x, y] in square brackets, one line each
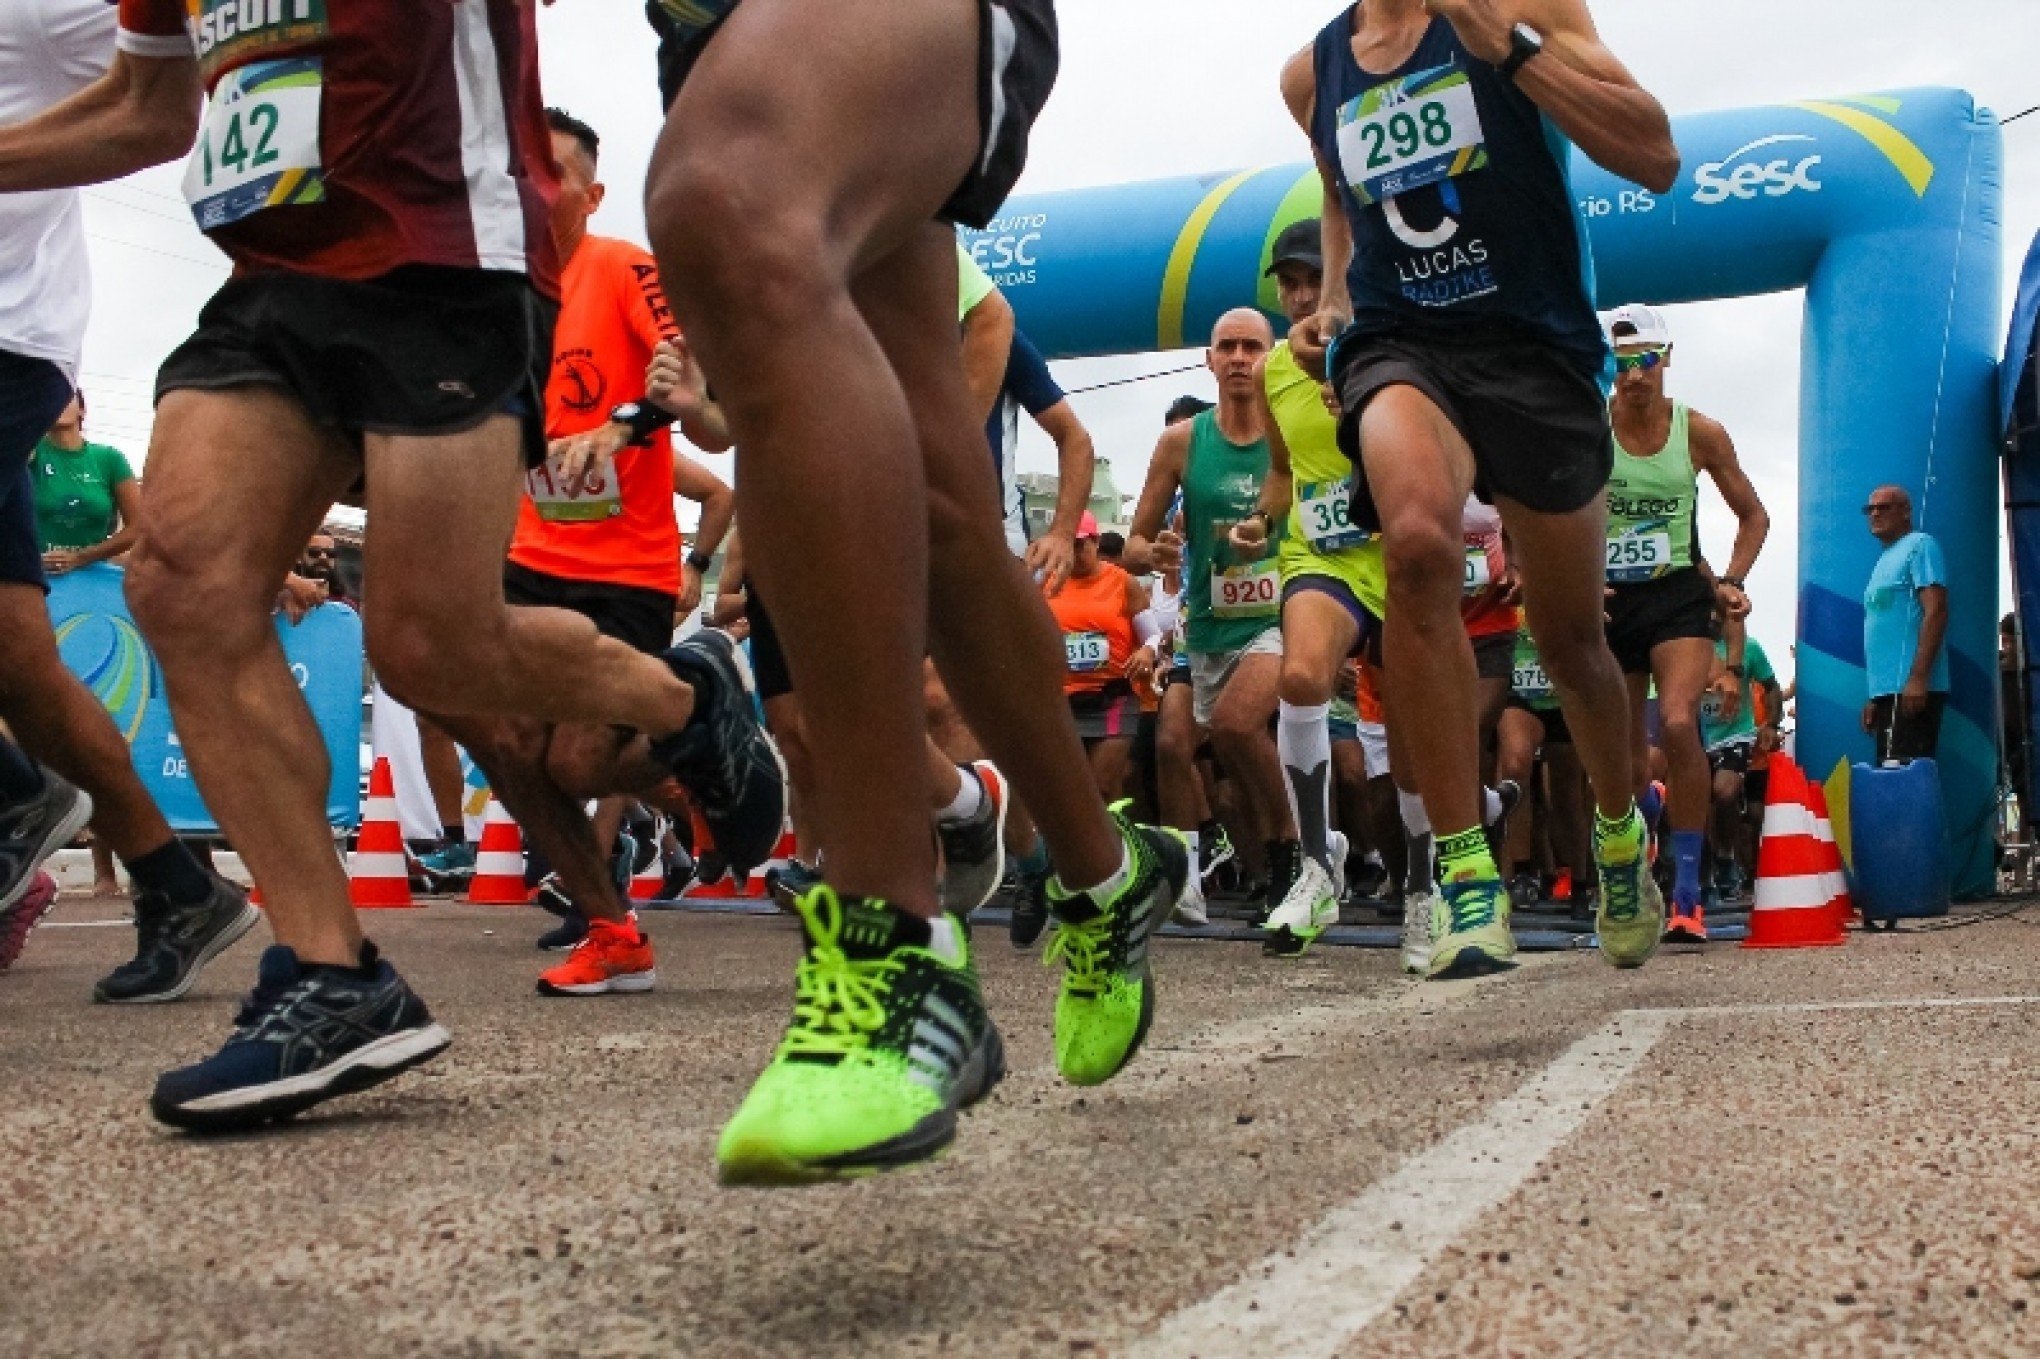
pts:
[1642, 359]
[1875, 508]
[325, 552]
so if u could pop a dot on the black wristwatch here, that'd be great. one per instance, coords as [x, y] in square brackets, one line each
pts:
[1525, 42]
[1737, 671]
[642, 419]
[700, 561]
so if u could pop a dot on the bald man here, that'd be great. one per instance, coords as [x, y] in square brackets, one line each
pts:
[1905, 626]
[1233, 601]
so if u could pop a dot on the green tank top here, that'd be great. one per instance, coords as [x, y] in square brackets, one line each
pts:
[1229, 602]
[1320, 538]
[1650, 507]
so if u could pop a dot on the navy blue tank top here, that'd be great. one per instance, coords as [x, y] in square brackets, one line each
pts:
[1459, 192]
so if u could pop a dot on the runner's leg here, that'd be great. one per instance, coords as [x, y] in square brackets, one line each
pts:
[1317, 636]
[1239, 732]
[1682, 668]
[237, 482]
[771, 189]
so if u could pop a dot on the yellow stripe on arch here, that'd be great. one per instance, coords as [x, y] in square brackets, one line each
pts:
[1183, 259]
[1903, 153]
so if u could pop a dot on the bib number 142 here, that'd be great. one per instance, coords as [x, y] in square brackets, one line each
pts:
[259, 144]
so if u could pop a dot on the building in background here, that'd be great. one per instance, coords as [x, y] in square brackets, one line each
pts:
[1042, 488]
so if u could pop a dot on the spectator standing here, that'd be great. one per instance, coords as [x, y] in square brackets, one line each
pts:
[1905, 622]
[87, 501]
[86, 506]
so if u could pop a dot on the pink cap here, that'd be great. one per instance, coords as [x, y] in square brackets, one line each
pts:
[1087, 527]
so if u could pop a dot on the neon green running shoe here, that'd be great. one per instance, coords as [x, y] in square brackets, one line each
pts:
[1630, 921]
[1108, 993]
[1470, 922]
[889, 1041]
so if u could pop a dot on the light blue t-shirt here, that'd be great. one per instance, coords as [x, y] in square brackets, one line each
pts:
[1892, 614]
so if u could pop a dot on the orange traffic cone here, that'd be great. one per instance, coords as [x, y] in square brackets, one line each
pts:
[376, 876]
[1794, 898]
[499, 861]
[1837, 873]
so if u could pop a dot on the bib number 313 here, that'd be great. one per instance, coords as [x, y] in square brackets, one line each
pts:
[258, 147]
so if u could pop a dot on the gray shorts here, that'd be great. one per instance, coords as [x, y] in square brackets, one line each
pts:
[1211, 671]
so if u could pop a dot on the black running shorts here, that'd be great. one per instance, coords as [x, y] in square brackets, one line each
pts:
[1537, 425]
[423, 350]
[1018, 54]
[1646, 614]
[631, 614]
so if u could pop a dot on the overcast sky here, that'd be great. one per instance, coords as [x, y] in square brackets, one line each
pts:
[1152, 88]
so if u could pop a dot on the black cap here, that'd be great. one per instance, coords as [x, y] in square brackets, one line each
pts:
[1300, 243]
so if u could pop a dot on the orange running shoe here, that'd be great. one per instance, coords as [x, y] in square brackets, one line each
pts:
[612, 958]
[1687, 926]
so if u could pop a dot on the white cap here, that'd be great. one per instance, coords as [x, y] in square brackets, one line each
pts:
[1648, 324]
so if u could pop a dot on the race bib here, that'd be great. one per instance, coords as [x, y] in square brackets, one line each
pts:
[1478, 577]
[1530, 681]
[1086, 651]
[1635, 556]
[1327, 510]
[1249, 590]
[596, 496]
[1711, 708]
[258, 146]
[1407, 133]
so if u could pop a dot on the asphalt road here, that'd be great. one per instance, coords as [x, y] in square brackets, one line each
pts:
[1825, 1152]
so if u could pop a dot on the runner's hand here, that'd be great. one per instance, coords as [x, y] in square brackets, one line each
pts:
[1511, 587]
[61, 561]
[1312, 336]
[1728, 691]
[674, 382]
[1168, 551]
[1735, 603]
[1480, 24]
[1140, 666]
[1249, 537]
[584, 459]
[1051, 557]
[690, 591]
[1769, 740]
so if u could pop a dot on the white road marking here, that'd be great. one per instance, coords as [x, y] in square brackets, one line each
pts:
[83, 924]
[1314, 1297]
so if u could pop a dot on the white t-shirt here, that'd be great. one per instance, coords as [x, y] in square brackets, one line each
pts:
[49, 50]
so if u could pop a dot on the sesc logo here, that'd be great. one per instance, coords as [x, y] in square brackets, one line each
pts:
[1746, 179]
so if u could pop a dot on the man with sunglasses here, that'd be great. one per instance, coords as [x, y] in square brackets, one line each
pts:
[1661, 602]
[1905, 622]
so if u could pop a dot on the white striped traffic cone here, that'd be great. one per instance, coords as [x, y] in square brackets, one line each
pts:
[1794, 905]
[499, 861]
[376, 875]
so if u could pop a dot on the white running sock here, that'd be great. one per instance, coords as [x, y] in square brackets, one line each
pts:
[1195, 842]
[942, 937]
[970, 797]
[1490, 806]
[1104, 893]
[1304, 739]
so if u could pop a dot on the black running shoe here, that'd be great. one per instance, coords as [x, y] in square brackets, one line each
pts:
[173, 943]
[974, 851]
[1030, 912]
[303, 1036]
[31, 831]
[1285, 863]
[723, 756]
[790, 882]
[1526, 890]
[623, 860]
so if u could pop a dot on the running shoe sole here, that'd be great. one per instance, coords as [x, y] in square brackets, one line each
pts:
[61, 834]
[727, 655]
[1469, 961]
[252, 1106]
[1288, 943]
[214, 947]
[621, 985]
[760, 1165]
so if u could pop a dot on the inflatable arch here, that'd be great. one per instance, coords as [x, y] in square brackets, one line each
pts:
[1885, 208]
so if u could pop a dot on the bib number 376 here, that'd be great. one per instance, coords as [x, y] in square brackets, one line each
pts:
[259, 144]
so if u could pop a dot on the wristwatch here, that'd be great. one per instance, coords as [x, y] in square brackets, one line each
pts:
[642, 419]
[1525, 42]
[700, 561]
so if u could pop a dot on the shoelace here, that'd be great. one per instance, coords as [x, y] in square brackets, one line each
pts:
[1622, 889]
[259, 1004]
[1083, 950]
[1471, 904]
[839, 1002]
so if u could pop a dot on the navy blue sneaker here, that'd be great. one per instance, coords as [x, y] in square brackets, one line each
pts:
[31, 831]
[302, 1037]
[173, 943]
[723, 756]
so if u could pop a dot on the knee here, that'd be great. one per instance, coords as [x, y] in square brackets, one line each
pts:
[1424, 560]
[1303, 684]
[424, 666]
[1234, 728]
[1678, 730]
[727, 239]
[180, 605]
[1575, 652]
